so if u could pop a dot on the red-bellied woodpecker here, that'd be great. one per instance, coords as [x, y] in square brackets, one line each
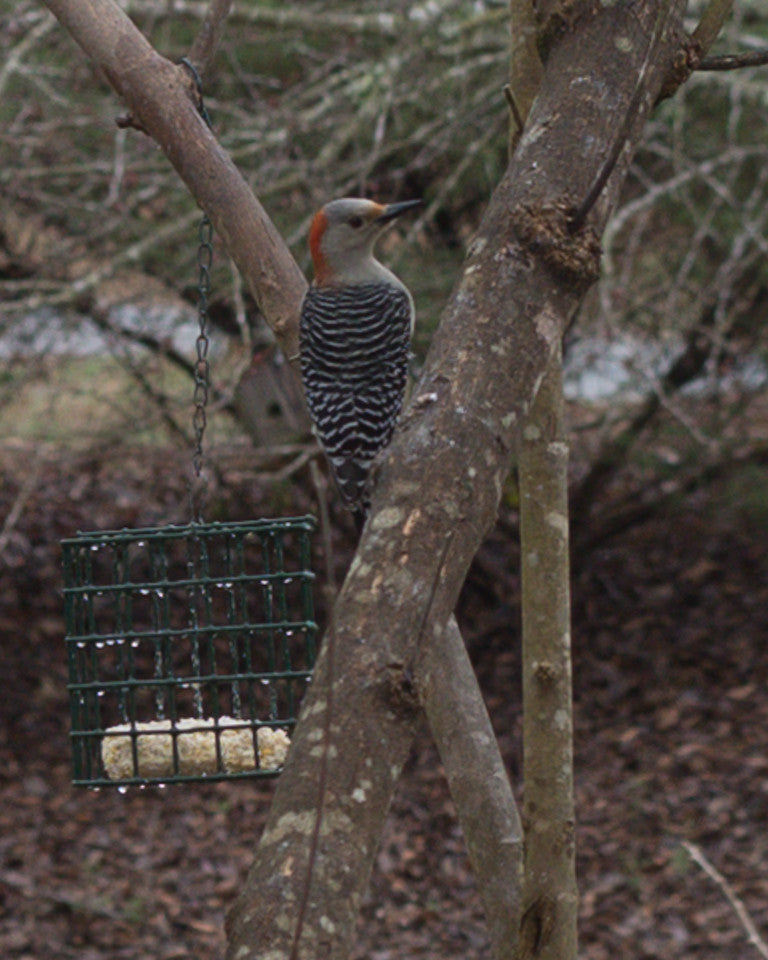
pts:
[356, 325]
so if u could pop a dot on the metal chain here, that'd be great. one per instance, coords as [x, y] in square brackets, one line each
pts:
[202, 343]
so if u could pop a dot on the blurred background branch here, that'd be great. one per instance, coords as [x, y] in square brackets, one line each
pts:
[313, 103]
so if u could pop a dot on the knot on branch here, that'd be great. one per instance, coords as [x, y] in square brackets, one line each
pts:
[127, 121]
[686, 60]
[572, 256]
[546, 672]
[400, 690]
[557, 19]
[536, 926]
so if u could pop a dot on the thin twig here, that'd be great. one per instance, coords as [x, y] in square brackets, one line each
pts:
[674, 185]
[16, 56]
[208, 39]
[285, 16]
[735, 61]
[74, 290]
[295, 465]
[19, 503]
[118, 170]
[510, 98]
[739, 909]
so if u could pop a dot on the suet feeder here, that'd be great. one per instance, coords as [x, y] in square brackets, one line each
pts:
[189, 649]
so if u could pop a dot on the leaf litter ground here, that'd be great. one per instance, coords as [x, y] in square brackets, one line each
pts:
[670, 667]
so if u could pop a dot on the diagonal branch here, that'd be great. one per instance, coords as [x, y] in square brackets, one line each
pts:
[753, 936]
[711, 23]
[614, 451]
[208, 39]
[154, 90]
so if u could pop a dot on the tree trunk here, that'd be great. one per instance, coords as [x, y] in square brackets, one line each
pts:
[550, 895]
[524, 277]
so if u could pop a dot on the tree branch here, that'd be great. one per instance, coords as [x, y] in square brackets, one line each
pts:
[614, 451]
[208, 39]
[474, 769]
[550, 894]
[525, 67]
[154, 89]
[735, 61]
[711, 23]
[753, 936]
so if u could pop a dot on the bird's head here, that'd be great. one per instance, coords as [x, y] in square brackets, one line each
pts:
[343, 234]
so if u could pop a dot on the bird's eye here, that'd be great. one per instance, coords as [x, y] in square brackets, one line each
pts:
[355, 222]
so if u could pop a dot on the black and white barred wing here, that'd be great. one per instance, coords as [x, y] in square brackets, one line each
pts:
[354, 364]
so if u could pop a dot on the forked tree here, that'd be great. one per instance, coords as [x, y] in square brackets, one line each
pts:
[583, 79]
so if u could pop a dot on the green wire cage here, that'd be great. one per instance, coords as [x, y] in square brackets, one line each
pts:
[189, 649]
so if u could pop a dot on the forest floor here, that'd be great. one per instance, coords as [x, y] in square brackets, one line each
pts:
[671, 700]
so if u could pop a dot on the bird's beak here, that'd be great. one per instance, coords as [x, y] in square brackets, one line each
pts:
[393, 210]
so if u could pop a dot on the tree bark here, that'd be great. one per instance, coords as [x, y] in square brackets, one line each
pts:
[550, 894]
[478, 781]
